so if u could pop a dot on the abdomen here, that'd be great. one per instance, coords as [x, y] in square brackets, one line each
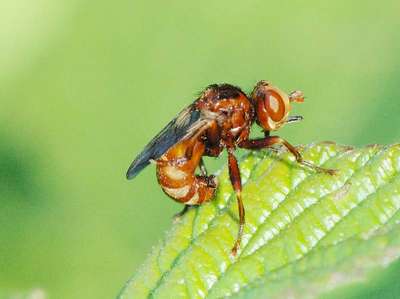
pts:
[176, 173]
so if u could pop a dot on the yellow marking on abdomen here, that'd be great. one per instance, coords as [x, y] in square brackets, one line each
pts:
[174, 173]
[177, 192]
[194, 200]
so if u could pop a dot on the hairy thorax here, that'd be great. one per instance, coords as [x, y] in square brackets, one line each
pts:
[235, 116]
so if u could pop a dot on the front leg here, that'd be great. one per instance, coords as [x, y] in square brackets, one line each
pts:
[234, 175]
[269, 141]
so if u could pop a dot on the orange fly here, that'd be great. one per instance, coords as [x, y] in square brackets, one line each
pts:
[220, 118]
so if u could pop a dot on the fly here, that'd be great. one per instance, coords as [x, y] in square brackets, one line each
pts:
[220, 118]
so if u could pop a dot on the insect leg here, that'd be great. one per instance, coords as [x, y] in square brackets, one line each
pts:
[272, 140]
[203, 168]
[267, 134]
[234, 174]
[178, 216]
[210, 180]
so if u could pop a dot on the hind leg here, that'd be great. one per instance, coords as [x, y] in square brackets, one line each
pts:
[177, 217]
[203, 169]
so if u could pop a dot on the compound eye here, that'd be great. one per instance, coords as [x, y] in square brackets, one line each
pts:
[275, 105]
[272, 107]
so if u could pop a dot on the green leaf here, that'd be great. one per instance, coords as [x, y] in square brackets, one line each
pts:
[306, 233]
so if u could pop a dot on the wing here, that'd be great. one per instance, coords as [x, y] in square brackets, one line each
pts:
[188, 123]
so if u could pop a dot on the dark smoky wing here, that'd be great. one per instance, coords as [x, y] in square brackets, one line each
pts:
[183, 126]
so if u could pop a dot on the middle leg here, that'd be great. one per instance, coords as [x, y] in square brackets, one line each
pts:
[234, 175]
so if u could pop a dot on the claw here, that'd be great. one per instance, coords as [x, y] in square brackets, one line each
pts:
[178, 216]
[235, 248]
[319, 169]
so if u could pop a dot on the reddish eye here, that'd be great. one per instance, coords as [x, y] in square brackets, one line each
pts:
[272, 106]
[275, 105]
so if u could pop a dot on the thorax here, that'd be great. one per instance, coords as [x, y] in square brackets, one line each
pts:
[232, 124]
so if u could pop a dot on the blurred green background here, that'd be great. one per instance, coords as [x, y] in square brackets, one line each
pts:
[85, 84]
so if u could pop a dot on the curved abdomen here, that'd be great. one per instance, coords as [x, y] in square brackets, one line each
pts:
[176, 174]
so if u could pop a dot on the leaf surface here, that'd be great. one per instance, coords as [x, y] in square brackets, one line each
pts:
[306, 233]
